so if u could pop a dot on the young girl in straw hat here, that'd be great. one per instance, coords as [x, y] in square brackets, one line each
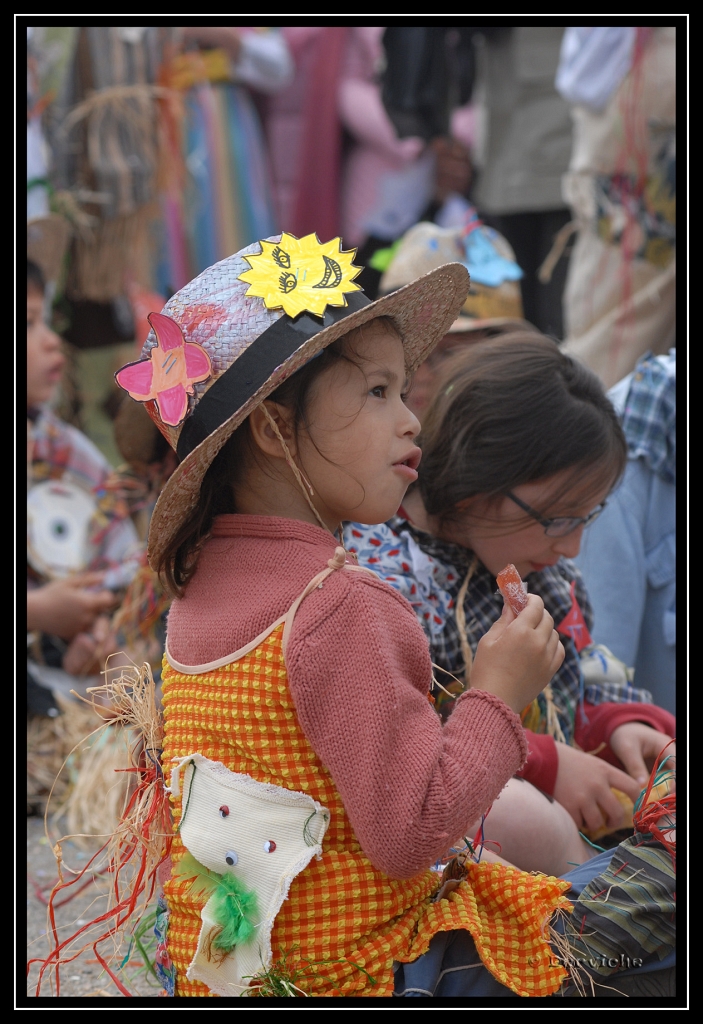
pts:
[312, 783]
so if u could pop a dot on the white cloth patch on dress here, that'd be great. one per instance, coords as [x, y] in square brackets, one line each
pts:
[263, 834]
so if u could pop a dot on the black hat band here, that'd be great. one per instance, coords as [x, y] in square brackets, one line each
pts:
[250, 371]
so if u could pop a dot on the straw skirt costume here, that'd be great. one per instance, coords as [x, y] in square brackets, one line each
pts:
[354, 732]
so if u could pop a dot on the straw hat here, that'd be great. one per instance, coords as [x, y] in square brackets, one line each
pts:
[234, 350]
[426, 246]
[47, 242]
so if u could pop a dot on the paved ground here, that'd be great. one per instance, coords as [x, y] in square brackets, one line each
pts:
[83, 977]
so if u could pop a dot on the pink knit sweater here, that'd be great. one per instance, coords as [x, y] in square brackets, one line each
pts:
[359, 673]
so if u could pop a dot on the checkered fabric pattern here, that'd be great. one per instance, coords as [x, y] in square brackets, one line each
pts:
[507, 912]
[429, 573]
[339, 908]
[649, 416]
[60, 449]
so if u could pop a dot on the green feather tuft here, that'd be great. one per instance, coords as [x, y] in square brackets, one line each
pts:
[204, 882]
[234, 907]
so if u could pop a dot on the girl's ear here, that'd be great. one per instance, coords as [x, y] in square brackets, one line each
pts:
[472, 504]
[263, 433]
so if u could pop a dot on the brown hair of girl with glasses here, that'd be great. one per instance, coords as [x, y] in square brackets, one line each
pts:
[520, 449]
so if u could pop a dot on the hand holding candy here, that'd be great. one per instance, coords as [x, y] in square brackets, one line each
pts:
[518, 655]
[512, 588]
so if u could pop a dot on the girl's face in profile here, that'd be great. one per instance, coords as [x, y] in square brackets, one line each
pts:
[45, 360]
[359, 452]
[503, 532]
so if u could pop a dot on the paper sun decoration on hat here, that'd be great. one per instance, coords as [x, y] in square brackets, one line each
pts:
[301, 275]
[295, 275]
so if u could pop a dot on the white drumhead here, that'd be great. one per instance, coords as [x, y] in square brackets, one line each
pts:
[59, 516]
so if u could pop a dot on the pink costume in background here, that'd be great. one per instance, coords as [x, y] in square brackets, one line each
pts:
[380, 166]
[304, 134]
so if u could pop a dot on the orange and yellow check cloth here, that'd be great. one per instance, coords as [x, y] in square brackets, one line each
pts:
[341, 914]
[507, 912]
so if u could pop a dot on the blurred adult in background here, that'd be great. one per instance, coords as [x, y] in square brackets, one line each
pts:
[620, 296]
[304, 133]
[628, 557]
[524, 152]
[157, 159]
[105, 126]
[228, 188]
[402, 104]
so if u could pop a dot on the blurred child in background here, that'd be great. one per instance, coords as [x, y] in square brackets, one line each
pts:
[81, 549]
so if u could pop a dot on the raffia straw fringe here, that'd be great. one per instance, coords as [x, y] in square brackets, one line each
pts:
[581, 980]
[437, 683]
[553, 727]
[460, 615]
[140, 842]
[131, 694]
[51, 743]
[578, 976]
[97, 798]
[110, 243]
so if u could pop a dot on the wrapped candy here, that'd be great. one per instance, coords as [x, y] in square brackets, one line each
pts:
[512, 588]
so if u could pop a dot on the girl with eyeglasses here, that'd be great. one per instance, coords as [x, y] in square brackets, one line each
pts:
[521, 448]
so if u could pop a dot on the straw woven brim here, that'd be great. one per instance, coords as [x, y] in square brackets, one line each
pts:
[423, 312]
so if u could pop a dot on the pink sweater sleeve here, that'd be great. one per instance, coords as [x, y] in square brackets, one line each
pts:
[359, 672]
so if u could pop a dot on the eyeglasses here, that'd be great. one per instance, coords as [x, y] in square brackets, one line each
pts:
[562, 525]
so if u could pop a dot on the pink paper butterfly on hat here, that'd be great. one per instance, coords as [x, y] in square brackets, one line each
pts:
[170, 372]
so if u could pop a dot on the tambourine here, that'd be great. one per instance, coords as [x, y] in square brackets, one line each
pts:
[59, 519]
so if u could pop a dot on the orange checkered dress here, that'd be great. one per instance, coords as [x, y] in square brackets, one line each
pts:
[340, 909]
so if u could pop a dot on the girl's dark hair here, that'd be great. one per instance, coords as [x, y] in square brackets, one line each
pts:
[512, 410]
[35, 276]
[217, 490]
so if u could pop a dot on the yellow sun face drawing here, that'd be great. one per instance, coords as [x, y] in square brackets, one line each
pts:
[301, 274]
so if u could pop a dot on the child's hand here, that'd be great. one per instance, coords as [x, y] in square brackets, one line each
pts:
[584, 785]
[86, 653]
[637, 746]
[518, 655]
[69, 606]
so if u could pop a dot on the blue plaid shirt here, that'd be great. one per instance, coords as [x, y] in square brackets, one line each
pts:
[647, 406]
[628, 556]
[429, 573]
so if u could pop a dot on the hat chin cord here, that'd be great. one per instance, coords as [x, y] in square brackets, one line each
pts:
[305, 485]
